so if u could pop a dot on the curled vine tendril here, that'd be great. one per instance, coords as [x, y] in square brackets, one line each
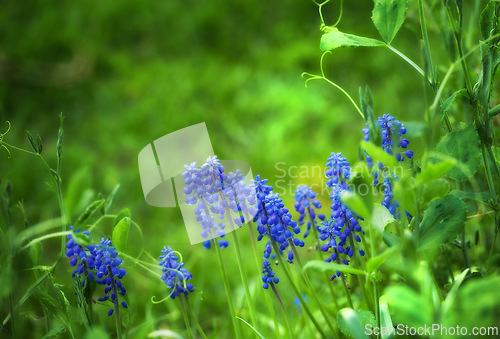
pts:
[2, 144]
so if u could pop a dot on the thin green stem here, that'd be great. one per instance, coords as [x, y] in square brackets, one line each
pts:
[287, 323]
[295, 288]
[320, 254]
[195, 320]
[259, 269]
[408, 60]
[185, 316]
[346, 290]
[227, 288]
[117, 306]
[312, 289]
[243, 277]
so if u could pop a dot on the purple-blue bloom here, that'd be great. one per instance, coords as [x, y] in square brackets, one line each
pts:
[109, 272]
[305, 204]
[175, 275]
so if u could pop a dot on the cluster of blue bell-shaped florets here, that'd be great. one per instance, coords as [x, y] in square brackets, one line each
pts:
[305, 204]
[343, 227]
[175, 275]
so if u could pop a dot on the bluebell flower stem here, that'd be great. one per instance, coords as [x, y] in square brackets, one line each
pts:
[193, 316]
[259, 265]
[244, 279]
[295, 288]
[361, 278]
[311, 288]
[117, 306]
[346, 290]
[185, 316]
[227, 288]
[287, 323]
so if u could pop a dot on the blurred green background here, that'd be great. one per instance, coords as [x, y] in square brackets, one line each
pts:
[124, 73]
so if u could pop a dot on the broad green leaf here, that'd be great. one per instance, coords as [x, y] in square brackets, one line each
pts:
[124, 213]
[481, 197]
[433, 171]
[76, 197]
[404, 193]
[408, 306]
[388, 17]
[462, 145]
[381, 217]
[91, 210]
[442, 222]
[335, 39]
[434, 189]
[375, 262]
[321, 266]
[120, 234]
[352, 322]
[357, 204]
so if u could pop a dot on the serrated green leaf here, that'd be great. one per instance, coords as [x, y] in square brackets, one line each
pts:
[442, 222]
[388, 17]
[352, 322]
[120, 233]
[321, 266]
[462, 145]
[335, 39]
[481, 197]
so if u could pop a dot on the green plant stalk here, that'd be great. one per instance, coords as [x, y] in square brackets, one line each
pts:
[215, 243]
[242, 274]
[294, 287]
[361, 278]
[346, 290]
[117, 306]
[320, 254]
[259, 269]
[375, 282]
[193, 316]
[287, 323]
[185, 316]
[311, 288]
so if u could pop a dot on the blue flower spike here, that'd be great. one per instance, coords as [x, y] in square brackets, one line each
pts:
[175, 275]
[109, 273]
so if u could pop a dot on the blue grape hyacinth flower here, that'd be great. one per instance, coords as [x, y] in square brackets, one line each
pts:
[109, 273]
[175, 275]
[305, 204]
[343, 227]
[81, 256]
[268, 277]
[274, 219]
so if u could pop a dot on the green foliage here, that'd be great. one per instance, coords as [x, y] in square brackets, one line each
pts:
[462, 145]
[352, 322]
[120, 233]
[388, 16]
[442, 222]
[333, 39]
